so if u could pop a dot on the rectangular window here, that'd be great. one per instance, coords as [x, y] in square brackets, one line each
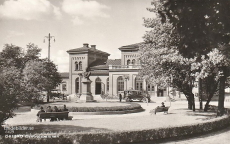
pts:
[120, 86]
[149, 87]
[153, 88]
[63, 86]
[107, 86]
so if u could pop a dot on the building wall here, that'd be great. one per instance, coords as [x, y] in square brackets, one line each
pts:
[128, 83]
[129, 55]
[73, 58]
[103, 84]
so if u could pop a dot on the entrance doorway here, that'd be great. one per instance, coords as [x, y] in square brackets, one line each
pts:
[98, 86]
[77, 86]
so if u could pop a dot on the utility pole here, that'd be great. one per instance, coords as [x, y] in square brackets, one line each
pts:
[49, 38]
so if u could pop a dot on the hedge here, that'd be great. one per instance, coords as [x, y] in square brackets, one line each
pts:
[132, 136]
[131, 106]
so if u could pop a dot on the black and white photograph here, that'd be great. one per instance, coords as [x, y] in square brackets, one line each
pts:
[114, 71]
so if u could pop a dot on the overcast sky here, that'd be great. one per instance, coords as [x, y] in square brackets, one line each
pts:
[108, 24]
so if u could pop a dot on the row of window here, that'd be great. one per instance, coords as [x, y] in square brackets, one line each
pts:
[78, 65]
[120, 84]
[131, 62]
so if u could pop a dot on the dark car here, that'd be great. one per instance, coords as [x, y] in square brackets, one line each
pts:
[130, 95]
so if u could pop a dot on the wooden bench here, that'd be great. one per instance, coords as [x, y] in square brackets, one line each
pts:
[54, 115]
[160, 109]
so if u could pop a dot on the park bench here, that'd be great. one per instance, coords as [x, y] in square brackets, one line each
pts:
[160, 109]
[54, 115]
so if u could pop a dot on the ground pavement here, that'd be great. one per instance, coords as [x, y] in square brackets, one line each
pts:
[178, 115]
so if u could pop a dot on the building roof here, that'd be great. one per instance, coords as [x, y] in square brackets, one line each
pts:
[64, 74]
[131, 47]
[113, 62]
[100, 73]
[87, 49]
[105, 66]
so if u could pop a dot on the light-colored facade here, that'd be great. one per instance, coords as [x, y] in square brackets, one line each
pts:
[107, 75]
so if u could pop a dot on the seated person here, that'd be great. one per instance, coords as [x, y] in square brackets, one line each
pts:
[162, 104]
[48, 109]
[65, 109]
[38, 118]
[56, 109]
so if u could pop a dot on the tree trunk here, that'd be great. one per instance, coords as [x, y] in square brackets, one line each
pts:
[207, 103]
[200, 93]
[220, 110]
[189, 104]
[48, 96]
[211, 88]
[193, 102]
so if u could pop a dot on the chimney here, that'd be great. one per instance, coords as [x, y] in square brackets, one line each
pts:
[93, 46]
[85, 45]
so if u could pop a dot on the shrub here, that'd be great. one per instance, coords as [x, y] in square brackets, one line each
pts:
[131, 106]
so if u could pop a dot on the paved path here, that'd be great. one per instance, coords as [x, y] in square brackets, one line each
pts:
[134, 121]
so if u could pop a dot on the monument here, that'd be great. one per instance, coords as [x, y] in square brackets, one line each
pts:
[86, 95]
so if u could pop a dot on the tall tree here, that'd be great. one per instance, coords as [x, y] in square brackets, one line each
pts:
[161, 60]
[10, 92]
[40, 76]
[22, 76]
[202, 25]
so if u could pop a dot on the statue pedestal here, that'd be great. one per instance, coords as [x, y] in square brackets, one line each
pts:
[86, 95]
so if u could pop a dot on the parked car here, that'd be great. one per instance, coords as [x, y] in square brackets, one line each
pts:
[130, 95]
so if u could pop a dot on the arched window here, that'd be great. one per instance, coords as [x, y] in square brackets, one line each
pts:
[120, 84]
[77, 85]
[98, 86]
[138, 83]
[128, 62]
[133, 61]
[80, 65]
[107, 84]
[76, 66]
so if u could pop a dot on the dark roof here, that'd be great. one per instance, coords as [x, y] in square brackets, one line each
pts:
[131, 47]
[97, 62]
[105, 66]
[64, 75]
[100, 72]
[101, 67]
[87, 49]
[113, 62]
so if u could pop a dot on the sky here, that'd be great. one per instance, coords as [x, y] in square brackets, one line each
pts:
[108, 24]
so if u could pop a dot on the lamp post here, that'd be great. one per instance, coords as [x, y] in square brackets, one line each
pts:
[49, 37]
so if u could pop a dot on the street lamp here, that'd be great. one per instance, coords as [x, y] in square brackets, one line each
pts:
[49, 38]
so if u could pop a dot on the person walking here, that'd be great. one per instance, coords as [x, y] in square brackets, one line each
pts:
[120, 97]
